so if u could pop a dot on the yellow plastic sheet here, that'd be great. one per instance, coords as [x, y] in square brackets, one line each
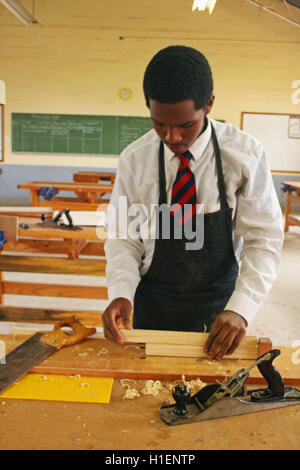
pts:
[61, 388]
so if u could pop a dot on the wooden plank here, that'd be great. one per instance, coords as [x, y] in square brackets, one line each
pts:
[42, 232]
[104, 358]
[52, 247]
[75, 206]
[87, 267]
[40, 315]
[54, 290]
[93, 176]
[26, 212]
[174, 337]
[183, 350]
[66, 186]
[10, 226]
[184, 344]
[1, 287]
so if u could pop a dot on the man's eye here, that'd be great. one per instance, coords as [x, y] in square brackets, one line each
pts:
[188, 124]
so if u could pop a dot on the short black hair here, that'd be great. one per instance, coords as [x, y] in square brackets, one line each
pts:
[178, 73]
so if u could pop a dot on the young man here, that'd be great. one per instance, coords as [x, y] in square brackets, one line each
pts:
[190, 159]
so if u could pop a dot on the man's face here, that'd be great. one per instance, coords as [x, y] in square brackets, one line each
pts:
[178, 124]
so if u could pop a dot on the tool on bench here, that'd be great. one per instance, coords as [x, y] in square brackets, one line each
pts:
[2, 238]
[57, 221]
[220, 400]
[22, 359]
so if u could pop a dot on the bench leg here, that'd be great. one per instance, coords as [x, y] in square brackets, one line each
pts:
[287, 210]
[1, 289]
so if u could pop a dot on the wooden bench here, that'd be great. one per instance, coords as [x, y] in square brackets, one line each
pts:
[292, 189]
[88, 195]
[47, 265]
[94, 176]
[38, 239]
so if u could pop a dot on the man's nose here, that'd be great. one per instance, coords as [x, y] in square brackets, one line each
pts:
[173, 135]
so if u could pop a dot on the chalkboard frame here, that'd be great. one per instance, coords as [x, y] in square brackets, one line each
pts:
[111, 134]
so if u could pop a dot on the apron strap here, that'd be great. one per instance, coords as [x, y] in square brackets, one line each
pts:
[221, 182]
[162, 175]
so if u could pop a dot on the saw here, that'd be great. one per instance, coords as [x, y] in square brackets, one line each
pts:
[39, 346]
[230, 398]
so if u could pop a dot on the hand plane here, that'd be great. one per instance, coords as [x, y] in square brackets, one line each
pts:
[57, 221]
[220, 400]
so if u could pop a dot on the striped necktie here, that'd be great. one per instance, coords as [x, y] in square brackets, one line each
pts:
[184, 188]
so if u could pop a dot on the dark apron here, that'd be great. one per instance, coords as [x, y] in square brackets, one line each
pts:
[185, 290]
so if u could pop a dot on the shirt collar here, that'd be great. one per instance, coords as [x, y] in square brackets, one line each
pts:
[198, 146]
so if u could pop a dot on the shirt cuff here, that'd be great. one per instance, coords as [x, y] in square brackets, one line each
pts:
[243, 305]
[121, 289]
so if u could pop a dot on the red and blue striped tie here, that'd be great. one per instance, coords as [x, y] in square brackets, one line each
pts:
[184, 188]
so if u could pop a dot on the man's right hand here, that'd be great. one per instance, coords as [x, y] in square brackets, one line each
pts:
[117, 312]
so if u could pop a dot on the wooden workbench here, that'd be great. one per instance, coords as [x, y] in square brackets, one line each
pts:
[39, 239]
[88, 195]
[291, 187]
[94, 176]
[135, 424]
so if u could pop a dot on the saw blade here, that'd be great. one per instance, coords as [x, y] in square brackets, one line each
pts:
[22, 359]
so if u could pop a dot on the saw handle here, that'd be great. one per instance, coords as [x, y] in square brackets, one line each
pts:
[59, 338]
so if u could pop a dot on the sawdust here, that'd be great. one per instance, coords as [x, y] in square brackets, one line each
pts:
[102, 351]
[156, 388]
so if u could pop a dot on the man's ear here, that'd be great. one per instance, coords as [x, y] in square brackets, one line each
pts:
[210, 104]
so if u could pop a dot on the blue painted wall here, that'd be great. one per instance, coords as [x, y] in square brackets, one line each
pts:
[13, 175]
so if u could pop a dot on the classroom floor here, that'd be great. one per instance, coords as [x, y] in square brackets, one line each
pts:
[278, 319]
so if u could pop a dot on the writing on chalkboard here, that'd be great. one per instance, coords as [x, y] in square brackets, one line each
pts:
[75, 134]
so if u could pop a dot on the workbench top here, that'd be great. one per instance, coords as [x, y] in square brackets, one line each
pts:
[133, 424]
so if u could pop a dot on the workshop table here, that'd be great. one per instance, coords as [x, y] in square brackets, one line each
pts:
[134, 424]
[88, 195]
[291, 187]
[94, 176]
[39, 239]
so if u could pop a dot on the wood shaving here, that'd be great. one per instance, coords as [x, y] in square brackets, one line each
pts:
[76, 376]
[152, 388]
[84, 384]
[131, 392]
[194, 385]
[132, 346]
[102, 351]
[83, 354]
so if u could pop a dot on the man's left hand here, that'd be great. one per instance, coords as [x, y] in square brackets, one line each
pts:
[226, 333]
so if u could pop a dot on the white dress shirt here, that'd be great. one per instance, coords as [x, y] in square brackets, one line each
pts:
[257, 217]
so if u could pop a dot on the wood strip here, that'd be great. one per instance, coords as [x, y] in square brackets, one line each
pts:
[39, 315]
[183, 350]
[1, 287]
[67, 186]
[75, 206]
[36, 246]
[54, 290]
[173, 337]
[108, 359]
[10, 226]
[52, 247]
[87, 267]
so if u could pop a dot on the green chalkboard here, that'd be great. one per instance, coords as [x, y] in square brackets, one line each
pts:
[75, 134]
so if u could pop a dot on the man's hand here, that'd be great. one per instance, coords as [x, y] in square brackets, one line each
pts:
[118, 311]
[226, 333]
